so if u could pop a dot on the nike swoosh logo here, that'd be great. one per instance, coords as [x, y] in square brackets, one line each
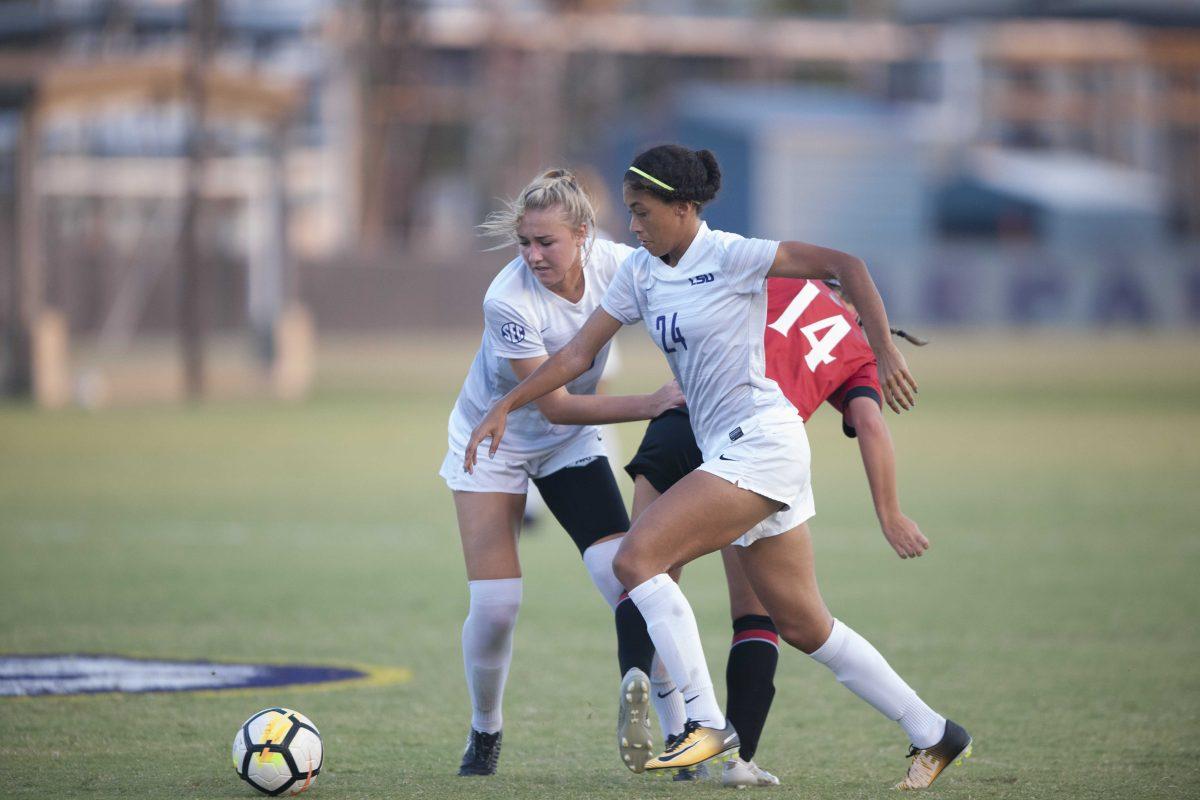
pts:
[728, 739]
[677, 753]
[667, 693]
[723, 457]
[690, 699]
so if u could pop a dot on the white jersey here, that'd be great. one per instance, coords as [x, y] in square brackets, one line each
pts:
[523, 319]
[707, 314]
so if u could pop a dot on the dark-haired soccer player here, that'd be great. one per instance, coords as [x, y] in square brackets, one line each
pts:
[817, 353]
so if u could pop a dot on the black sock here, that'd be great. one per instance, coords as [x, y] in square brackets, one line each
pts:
[634, 647]
[750, 678]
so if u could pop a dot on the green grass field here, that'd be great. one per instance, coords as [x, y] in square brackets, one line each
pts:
[1055, 615]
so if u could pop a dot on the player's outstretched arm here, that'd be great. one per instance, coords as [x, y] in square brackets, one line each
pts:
[560, 369]
[879, 461]
[801, 260]
[563, 408]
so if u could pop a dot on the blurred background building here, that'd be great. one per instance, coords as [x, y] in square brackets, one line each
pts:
[200, 174]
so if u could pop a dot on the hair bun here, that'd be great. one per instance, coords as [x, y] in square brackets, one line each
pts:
[713, 181]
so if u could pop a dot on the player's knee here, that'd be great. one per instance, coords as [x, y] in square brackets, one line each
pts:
[631, 564]
[743, 602]
[494, 607]
[497, 615]
[599, 562]
[806, 635]
[625, 568]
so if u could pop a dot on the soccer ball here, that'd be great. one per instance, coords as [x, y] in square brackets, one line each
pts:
[278, 750]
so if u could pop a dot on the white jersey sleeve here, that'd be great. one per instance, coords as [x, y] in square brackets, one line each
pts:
[511, 332]
[747, 262]
[607, 257]
[621, 301]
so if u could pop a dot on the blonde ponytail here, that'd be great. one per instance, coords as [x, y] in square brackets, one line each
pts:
[555, 188]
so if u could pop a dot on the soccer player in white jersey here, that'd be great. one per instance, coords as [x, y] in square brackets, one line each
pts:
[533, 307]
[701, 295]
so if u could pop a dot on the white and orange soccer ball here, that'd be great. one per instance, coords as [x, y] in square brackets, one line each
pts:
[278, 751]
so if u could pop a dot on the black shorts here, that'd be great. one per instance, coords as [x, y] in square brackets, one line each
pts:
[586, 502]
[668, 451]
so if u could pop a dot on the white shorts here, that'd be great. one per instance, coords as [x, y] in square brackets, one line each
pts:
[511, 475]
[771, 458]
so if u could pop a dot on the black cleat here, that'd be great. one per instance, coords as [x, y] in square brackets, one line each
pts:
[482, 754]
[928, 763]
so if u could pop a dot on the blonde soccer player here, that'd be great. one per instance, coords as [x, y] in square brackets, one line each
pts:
[534, 306]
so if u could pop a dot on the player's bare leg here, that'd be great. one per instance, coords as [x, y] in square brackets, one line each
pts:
[700, 514]
[489, 524]
[749, 674]
[781, 570]
[644, 494]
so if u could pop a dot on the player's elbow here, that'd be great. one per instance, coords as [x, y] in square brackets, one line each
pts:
[867, 419]
[848, 265]
[578, 358]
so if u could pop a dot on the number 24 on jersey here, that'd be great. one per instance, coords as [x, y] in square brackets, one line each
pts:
[676, 335]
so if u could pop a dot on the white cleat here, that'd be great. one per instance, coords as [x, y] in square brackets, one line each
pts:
[633, 721]
[739, 774]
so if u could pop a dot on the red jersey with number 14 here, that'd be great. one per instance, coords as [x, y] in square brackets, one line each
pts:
[815, 349]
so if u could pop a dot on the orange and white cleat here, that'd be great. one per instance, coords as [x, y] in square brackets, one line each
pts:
[697, 744]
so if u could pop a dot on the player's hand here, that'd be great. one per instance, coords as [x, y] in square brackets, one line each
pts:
[898, 384]
[491, 427]
[904, 536]
[668, 397]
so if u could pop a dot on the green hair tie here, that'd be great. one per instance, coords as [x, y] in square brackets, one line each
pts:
[652, 179]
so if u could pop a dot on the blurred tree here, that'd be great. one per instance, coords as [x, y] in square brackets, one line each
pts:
[394, 124]
[191, 257]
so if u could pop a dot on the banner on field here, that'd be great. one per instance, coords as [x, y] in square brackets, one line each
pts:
[35, 675]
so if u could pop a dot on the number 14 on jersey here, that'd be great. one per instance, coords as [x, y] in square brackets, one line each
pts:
[820, 349]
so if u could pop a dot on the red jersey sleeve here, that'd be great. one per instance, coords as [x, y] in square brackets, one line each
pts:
[813, 344]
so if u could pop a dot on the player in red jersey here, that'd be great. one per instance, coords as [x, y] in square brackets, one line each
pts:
[816, 351]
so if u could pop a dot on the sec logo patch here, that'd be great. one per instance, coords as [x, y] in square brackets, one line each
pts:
[512, 332]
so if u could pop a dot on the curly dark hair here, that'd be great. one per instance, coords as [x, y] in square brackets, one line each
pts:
[693, 175]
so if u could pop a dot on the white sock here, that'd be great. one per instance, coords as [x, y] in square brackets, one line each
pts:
[487, 647]
[598, 559]
[668, 702]
[861, 669]
[672, 627]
